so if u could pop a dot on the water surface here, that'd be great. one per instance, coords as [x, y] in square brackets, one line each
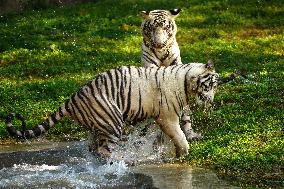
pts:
[45, 164]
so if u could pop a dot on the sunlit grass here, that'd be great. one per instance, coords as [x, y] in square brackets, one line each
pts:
[46, 55]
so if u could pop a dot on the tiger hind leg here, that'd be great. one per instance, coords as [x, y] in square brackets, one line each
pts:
[101, 147]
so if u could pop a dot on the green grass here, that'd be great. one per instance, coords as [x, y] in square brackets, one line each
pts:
[46, 55]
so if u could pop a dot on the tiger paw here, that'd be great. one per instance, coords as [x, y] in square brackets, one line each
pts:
[190, 134]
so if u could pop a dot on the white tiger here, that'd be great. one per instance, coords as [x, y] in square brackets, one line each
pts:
[159, 46]
[131, 94]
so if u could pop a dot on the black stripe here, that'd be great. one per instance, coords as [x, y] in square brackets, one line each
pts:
[83, 111]
[206, 75]
[106, 102]
[161, 97]
[111, 84]
[37, 131]
[149, 59]
[186, 86]
[182, 102]
[164, 71]
[176, 74]
[67, 108]
[176, 111]
[142, 116]
[146, 75]
[173, 55]
[131, 116]
[128, 96]
[105, 83]
[179, 101]
[119, 124]
[53, 118]
[139, 72]
[60, 112]
[45, 125]
[203, 82]
[122, 85]
[146, 53]
[27, 134]
[172, 68]
[150, 56]
[117, 87]
[156, 77]
[174, 62]
[167, 101]
[137, 116]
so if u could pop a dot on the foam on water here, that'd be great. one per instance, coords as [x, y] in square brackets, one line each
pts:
[81, 173]
[79, 168]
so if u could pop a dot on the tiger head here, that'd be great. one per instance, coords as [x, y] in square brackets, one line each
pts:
[159, 28]
[205, 84]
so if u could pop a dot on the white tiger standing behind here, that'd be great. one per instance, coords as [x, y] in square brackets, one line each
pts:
[159, 46]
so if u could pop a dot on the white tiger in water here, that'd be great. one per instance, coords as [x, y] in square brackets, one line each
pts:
[131, 94]
[160, 48]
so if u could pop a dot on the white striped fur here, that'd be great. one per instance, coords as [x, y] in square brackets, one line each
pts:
[131, 94]
[159, 46]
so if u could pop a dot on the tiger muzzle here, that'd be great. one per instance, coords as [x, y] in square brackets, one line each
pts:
[158, 45]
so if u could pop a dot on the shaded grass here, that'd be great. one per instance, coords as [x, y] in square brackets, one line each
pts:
[45, 56]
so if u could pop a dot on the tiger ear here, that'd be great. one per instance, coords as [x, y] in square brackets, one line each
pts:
[209, 65]
[145, 14]
[175, 12]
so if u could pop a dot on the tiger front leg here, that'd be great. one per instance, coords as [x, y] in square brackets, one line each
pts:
[187, 128]
[170, 126]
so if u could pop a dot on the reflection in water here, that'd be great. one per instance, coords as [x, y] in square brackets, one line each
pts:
[169, 176]
[70, 165]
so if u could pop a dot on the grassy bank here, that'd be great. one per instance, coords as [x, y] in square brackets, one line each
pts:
[46, 55]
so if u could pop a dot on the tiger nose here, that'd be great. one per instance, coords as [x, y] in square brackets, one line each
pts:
[158, 45]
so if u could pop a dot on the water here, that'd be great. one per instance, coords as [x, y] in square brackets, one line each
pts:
[44, 164]
[63, 165]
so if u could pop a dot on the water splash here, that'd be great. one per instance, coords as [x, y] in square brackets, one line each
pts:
[145, 149]
[72, 167]
[74, 173]
[76, 167]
